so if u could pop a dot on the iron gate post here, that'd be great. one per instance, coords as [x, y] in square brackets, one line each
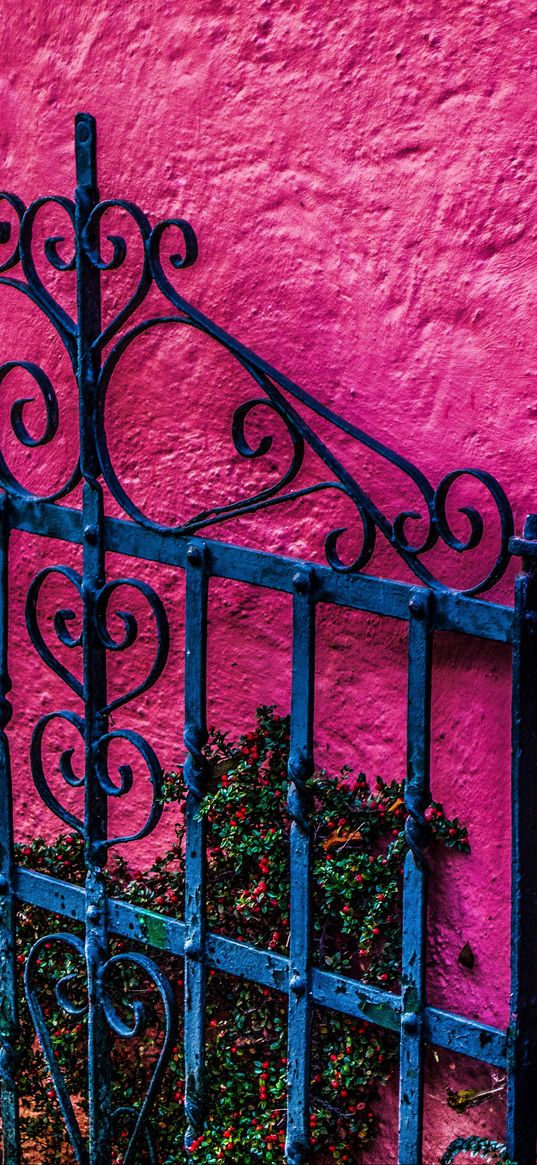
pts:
[522, 1060]
[197, 772]
[299, 806]
[94, 653]
[415, 881]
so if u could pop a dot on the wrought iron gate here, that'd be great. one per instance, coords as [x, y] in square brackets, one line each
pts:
[427, 605]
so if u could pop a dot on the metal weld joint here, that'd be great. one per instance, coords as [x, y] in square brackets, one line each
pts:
[299, 770]
[196, 769]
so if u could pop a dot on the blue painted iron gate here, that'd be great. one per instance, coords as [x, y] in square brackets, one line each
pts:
[427, 606]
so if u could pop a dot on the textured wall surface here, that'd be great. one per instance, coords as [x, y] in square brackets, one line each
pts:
[361, 178]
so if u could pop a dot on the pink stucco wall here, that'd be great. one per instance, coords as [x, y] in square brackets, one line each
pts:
[361, 180]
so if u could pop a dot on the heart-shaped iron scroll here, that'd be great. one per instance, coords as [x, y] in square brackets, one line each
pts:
[75, 945]
[62, 617]
[34, 289]
[65, 615]
[119, 255]
[101, 747]
[131, 633]
[130, 1031]
[63, 323]
[127, 779]
[65, 767]
[141, 1131]
[47, 395]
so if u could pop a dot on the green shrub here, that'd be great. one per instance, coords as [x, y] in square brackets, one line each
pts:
[360, 848]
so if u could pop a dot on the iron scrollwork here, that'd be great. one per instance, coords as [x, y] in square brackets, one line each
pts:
[139, 1117]
[63, 617]
[23, 435]
[290, 405]
[100, 970]
[281, 397]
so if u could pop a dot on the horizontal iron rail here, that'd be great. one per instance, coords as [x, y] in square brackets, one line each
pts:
[450, 610]
[336, 992]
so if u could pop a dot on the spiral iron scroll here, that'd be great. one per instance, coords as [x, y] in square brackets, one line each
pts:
[138, 1117]
[63, 618]
[288, 404]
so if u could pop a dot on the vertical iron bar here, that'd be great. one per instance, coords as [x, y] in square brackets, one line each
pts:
[8, 966]
[417, 798]
[522, 1074]
[96, 809]
[300, 769]
[196, 774]
[100, 1126]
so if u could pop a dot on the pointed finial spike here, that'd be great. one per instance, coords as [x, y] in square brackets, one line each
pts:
[86, 149]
